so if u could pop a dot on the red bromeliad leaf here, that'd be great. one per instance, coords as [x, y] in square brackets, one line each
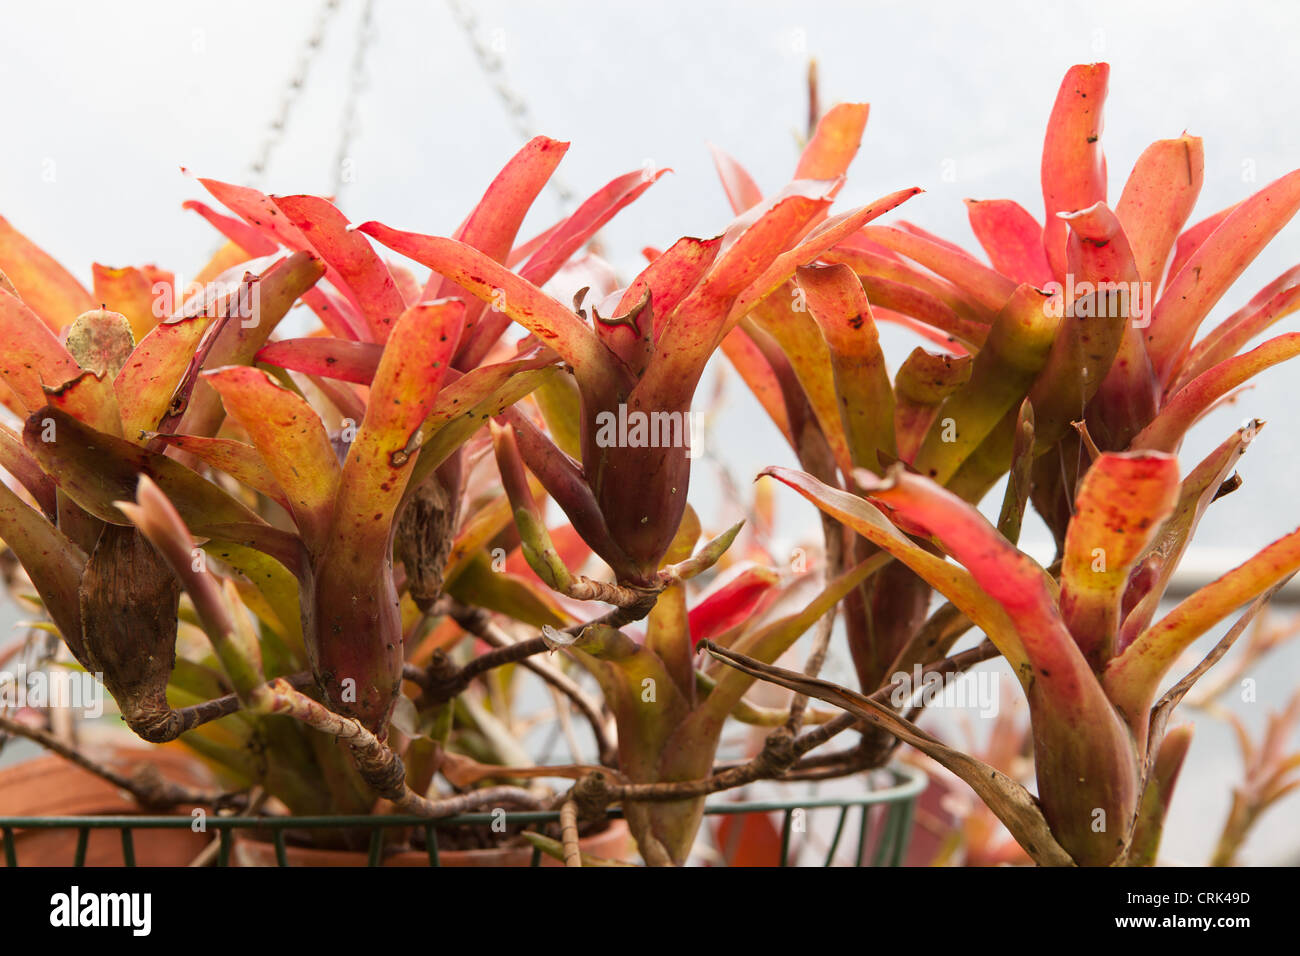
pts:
[989, 289]
[698, 324]
[950, 246]
[251, 240]
[463, 395]
[826, 236]
[30, 355]
[1157, 199]
[133, 293]
[555, 325]
[742, 192]
[1119, 508]
[1189, 241]
[260, 211]
[1274, 302]
[342, 359]
[1073, 168]
[242, 462]
[273, 292]
[834, 143]
[906, 299]
[1077, 774]
[731, 604]
[46, 287]
[148, 381]
[1001, 375]
[1133, 678]
[1147, 584]
[88, 398]
[560, 244]
[95, 470]
[585, 222]
[463, 423]
[292, 441]
[564, 481]
[670, 277]
[402, 395]
[871, 259]
[801, 341]
[949, 579]
[1213, 267]
[769, 642]
[336, 315]
[862, 386]
[1181, 411]
[494, 223]
[1012, 238]
[1094, 327]
[355, 643]
[921, 385]
[933, 336]
[368, 280]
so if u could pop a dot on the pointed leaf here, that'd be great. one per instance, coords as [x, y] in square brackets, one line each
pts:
[1157, 199]
[95, 470]
[341, 359]
[46, 288]
[1001, 376]
[1073, 168]
[1012, 238]
[367, 277]
[30, 355]
[1213, 267]
[1274, 302]
[989, 289]
[1132, 678]
[292, 441]
[1119, 509]
[742, 192]
[148, 381]
[1166, 431]
[834, 143]
[866, 397]
[949, 579]
[1198, 490]
[240, 461]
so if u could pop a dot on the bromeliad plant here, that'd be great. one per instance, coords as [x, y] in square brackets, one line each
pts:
[342, 509]
[1065, 331]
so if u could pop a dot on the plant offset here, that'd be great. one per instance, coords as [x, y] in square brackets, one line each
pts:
[317, 560]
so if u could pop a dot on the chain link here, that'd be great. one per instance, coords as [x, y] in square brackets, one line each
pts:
[516, 107]
[343, 162]
[297, 82]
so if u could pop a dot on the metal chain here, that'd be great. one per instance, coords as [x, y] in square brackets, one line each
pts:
[343, 172]
[297, 81]
[493, 66]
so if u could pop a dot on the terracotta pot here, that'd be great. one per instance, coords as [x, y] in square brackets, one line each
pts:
[612, 843]
[49, 786]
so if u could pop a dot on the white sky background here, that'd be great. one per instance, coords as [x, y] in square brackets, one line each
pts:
[104, 102]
